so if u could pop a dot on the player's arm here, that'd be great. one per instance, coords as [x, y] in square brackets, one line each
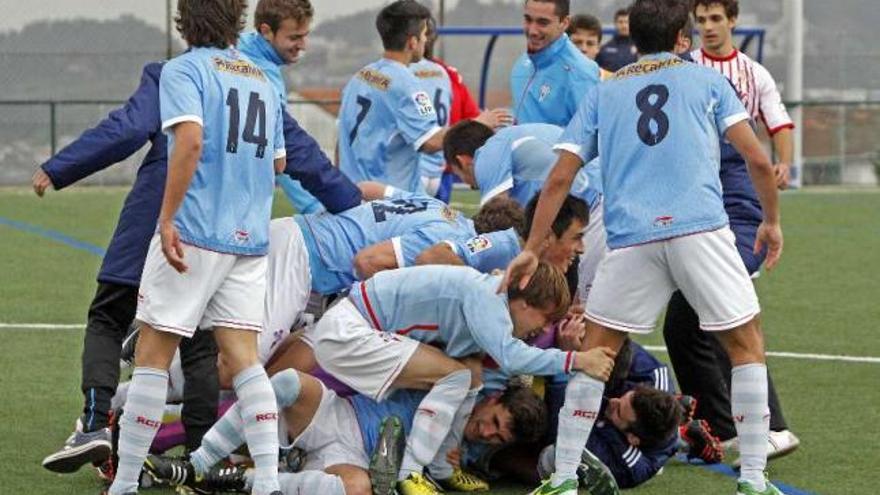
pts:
[373, 259]
[494, 118]
[121, 134]
[778, 123]
[783, 143]
[181, 166]
[439, 254]
[577, 146]
[372, 190]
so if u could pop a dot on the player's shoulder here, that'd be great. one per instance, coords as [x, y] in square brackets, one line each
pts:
[381, 76]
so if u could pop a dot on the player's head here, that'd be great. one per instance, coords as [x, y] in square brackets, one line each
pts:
[460, 144]
[430, 37]
[210, 23]
[516, 415]
[544, 21]
[715, 22]
[403, 27]
[499, 213]
[566, 240]
[585, 31]
[621, 22]
[647, 416]
[655, 24]
[685, 38]
[544, 300]
[285, 25]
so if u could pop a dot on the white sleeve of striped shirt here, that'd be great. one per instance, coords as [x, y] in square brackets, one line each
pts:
[773, 111]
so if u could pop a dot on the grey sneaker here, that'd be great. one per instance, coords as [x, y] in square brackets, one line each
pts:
[386, 459]
[80, 449]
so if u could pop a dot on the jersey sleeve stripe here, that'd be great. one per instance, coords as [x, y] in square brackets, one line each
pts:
[369, 306]
[569, 147]
[280, 153]
[182, 118]
[735, 119]
[778, 128]
[398, 252]
[425, 137]
[495, 191]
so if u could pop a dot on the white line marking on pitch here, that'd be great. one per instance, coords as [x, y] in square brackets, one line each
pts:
[798, 355]
[42, 326]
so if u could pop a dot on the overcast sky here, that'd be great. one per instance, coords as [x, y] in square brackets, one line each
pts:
[17, 13]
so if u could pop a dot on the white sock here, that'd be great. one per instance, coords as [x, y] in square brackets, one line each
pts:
[432, 421]
[440, 468]
[138, 426]
[222, 439]
[751, 416]
[583, 397]
[317, 482]
[259, 413]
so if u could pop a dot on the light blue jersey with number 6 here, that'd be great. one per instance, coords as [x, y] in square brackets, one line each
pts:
[229, 201]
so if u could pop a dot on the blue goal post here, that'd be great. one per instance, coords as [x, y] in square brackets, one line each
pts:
[748, 35]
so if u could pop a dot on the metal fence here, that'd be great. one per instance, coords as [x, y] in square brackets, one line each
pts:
[840, 138]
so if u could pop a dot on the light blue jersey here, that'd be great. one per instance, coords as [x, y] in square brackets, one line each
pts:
[262, 53]
[412, 222]
[402, 403]
[384, 118]
[488, 252]
[456, 308]
[518, 159]
[229, 201]
[655, 126]
[435, 80]
[547, 86]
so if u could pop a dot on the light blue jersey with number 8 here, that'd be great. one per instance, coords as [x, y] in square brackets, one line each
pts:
[228, 205]
[655, 126]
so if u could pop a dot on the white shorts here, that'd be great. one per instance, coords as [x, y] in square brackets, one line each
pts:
[288, 284]
[350, 349]
[634, 284]
[218, 290]
[333, 437]
[595, 246]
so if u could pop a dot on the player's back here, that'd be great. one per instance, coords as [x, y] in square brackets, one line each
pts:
[228, 204]
[659, 122]
[383, 116]
[435, 304]
[338, 238]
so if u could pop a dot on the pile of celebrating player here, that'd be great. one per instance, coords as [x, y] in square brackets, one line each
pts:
[381, 341]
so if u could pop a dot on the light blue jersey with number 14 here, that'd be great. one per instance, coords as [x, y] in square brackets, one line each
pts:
[384, 118]
[655, 126]
[229, 201]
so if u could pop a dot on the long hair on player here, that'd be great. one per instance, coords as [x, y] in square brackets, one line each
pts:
[210, 23]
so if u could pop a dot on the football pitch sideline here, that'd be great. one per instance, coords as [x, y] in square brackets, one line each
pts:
[820, 315]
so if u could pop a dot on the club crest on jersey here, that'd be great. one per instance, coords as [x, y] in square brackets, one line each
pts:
[478, 243]
[664, 221]
[545, 92]
[448, 214]
[423, 103]
[242, 235]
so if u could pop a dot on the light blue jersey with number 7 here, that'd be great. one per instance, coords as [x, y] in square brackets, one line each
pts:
[655, 126]
[384, 118]
[228, 205]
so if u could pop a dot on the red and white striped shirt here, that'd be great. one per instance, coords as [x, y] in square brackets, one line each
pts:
[754, 84]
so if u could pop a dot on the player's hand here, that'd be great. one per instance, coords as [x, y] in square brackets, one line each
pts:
[769, 236]
[172, 248]
[494, 118]
[519, 271]
[41, 182]
[571, 333]
[453, 457]
[783, 175]
[597, 362]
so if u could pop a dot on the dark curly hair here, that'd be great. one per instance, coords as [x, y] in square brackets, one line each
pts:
[658, 415]
[528, 410]
[215, 23]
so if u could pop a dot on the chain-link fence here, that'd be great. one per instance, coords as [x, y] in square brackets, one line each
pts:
[67, 64]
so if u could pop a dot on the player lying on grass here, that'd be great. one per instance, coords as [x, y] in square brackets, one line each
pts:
[392, 332]
[344, 439]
